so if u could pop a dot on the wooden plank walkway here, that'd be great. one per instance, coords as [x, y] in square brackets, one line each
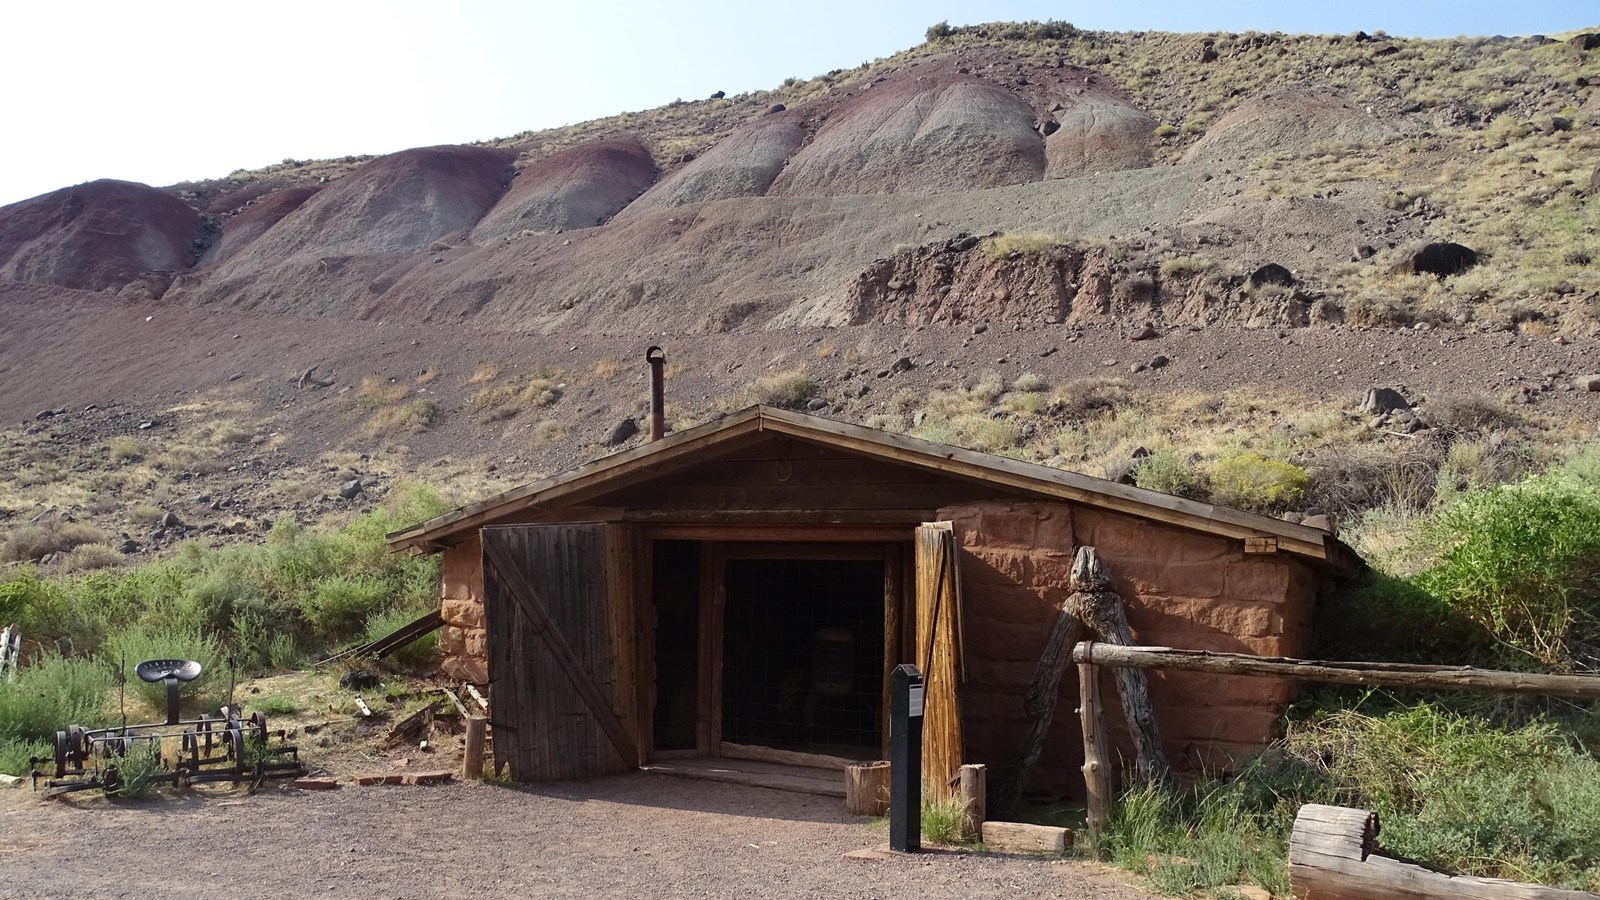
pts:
[795, 779]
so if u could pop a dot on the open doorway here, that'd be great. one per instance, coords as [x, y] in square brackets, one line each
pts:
[803, 655]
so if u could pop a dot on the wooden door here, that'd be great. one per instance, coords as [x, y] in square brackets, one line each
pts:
[561, 657]
[938, 654]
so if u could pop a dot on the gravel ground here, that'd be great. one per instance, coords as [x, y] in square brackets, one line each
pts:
[636, 835]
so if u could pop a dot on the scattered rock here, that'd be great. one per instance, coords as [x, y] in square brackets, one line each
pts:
[1136, 368]
[1272, 273]
[128, 547]
[622, 431]
[10, 780]
[980, 328]
[1382, 401]
[371, 779]
[350, 489]
[359, 681]
[1249, 892]
[816, 404]
[1589, 383]
[869, 854]
[170, 520]
[315, 784]
[903, 364]
[776, 108]
[1584, 42]
[1323, 522]
[44, 414]
[719, 95]
[1159, 362]
[1365, 251]
[1148, 332]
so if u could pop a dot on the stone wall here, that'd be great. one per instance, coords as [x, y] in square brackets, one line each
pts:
[461, 640]
[1181, 589]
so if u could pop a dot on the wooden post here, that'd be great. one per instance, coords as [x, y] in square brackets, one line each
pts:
[472, 763]
[1096, 779]
[974, 794]
[866, 788]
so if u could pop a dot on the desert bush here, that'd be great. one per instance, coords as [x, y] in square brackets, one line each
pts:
[340, 606]
[405, 418]
[975, 431]
[1181, 267]
[30, 542]
[786, 390]
[15, 753]
[135, 774]
[387, 622]
[938, 31]
[145, 513]
[1349, 481]
[127, 649]
[88, 557]
[1083, 397]
[377, 391]
[1004, 246]
[1252, 481]
[124, 449]
[1523, 561]
[49, 694]
[1378, 312]
[1166, 472]
[1028, 382]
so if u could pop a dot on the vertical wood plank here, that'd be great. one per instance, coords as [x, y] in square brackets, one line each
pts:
[705, 711]
[644, 638]
[938, 656]
[892, 594]
[974, 794]
[719, 603]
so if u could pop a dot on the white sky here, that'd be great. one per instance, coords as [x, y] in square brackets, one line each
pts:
[161, 91]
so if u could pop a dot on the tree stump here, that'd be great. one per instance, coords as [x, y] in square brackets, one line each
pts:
[866, 788]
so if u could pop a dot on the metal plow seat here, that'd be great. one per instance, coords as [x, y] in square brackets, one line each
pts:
[170, 671]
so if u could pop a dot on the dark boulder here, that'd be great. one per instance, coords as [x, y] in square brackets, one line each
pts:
[1272, 273]
[1441, 258]
[719, 95]
[623, 430]
[1584, 42]
[1381, 401]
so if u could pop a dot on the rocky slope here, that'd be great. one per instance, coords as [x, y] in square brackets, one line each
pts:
[1194, 155]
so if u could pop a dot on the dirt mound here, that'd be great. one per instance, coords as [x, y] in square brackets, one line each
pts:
[393, 204]
[254, 219]
[577, 188]
[743, 164]
[1287, 120]
[918, 136]
[1099, 133]
[102, 234]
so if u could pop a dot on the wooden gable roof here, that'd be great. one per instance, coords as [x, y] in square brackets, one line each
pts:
[677, 451]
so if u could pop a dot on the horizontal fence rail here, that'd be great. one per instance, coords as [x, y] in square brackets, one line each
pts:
[1372, 674]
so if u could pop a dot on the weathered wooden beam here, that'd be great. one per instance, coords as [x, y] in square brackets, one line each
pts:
[1098, 606]
[472, 760]
[1397, 675]
[973, 792]
[1332, 857]
[1020, 837]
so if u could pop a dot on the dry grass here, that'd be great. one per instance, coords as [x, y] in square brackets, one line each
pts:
[607, 367]
[400, 419]
[1005, 246]
[378, 391]
[483, 374]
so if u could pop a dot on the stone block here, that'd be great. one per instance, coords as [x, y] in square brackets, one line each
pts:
[427, 777]
[473, 669]
[1257, 580]
[467, 612]
[316, 784]
[475, 643]
[452, 640]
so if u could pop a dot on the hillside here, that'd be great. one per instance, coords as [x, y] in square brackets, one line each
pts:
[1177, 165]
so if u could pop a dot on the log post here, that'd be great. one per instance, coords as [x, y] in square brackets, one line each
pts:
[472, 762]
[866, 788]
[1096, 778]
[1101, 610]
[974, 792]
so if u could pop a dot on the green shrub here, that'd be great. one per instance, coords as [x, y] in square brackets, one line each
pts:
[1523, 562]
[942, 818]
[385, 623]
[135, 773]
[14, 755]
[1166, 472]
[274, 705]
[340, 606]
[51, 693]
[1252, 481]
[127, 649]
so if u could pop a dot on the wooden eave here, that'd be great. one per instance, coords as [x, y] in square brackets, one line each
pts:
[676, 451]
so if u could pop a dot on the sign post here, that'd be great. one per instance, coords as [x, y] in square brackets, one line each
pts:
[905, 759]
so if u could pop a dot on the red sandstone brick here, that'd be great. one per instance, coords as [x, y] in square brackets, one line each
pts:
[426, 777]
[1259, 580]
[452, 640]
[463, 612]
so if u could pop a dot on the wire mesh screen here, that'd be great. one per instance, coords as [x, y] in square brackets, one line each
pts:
[803, 655]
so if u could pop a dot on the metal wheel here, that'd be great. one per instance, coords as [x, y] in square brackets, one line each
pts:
[63, 742]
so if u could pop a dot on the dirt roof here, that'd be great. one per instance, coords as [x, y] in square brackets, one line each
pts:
[674, 451]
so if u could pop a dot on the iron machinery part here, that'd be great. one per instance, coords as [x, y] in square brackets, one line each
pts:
[79, 738]
[259, 721]
[62, 743]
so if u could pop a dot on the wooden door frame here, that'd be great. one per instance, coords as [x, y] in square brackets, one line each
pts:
[717, 545]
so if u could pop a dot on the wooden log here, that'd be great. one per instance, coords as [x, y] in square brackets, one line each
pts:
[781, 757]
[974, 794]
[1019, 837]
[1332, 855]
[472, 760]
[1101, 609]
[473, 693]
[866, 788]
[1039, 702]
[1096, 756]
[1399, 675]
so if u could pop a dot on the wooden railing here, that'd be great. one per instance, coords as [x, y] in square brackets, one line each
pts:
[1355, 879]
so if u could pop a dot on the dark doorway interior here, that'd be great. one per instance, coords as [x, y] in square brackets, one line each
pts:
[803, 655]
[677, 602]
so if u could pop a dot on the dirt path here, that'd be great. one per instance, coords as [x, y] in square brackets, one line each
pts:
[637, 835]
